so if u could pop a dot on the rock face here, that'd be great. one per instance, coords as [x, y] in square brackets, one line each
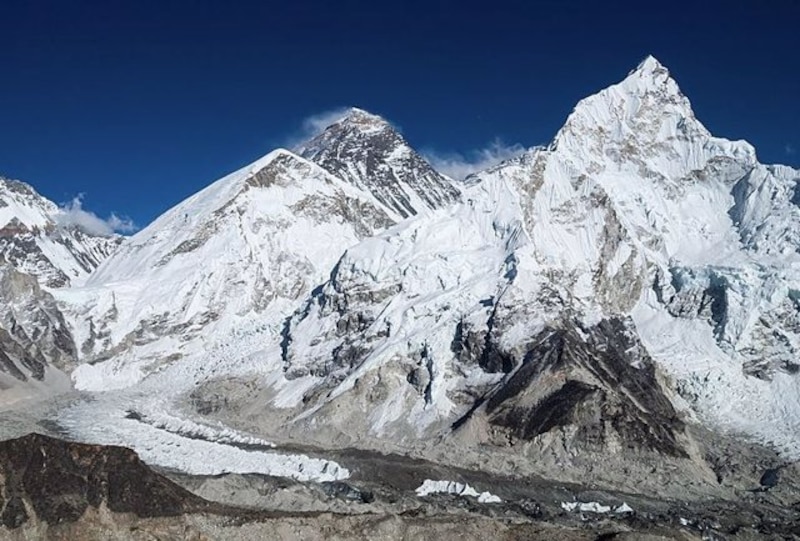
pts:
[39, 251]
[33, 333]
[50, 481]
[597, 387]
[368, 152]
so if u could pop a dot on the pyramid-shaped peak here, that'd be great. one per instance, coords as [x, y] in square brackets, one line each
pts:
[362, 120]
[647, 105]
[650, 65]
[649, 75]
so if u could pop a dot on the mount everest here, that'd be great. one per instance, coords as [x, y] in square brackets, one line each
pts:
[596, 299]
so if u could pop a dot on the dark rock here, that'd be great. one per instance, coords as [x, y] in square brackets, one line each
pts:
[770, 478]
[59, 480]
[596, 380]
[361, 150]
[345, 491]
[14, 514]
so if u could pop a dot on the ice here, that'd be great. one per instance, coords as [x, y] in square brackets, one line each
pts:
[430, 486]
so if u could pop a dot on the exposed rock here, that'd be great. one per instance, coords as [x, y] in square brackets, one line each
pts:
[367, 151]
[53, 481]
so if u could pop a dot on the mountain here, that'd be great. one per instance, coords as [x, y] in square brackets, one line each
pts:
[39, 250]
[36, 240]
[368, 152]
[238, 254]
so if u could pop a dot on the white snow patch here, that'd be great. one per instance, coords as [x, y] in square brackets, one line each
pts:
[595, 507]
[430, 486]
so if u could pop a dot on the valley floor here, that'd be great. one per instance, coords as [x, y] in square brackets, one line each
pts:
[299, 492]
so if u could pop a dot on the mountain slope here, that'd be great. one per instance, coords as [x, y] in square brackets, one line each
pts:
[238, 253]
[38, 250]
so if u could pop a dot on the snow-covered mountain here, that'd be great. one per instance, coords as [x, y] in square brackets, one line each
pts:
[635, 214]
[39, 250]
[242, 251]
[35, 240]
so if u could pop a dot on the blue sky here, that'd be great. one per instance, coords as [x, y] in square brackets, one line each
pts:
[137, 105]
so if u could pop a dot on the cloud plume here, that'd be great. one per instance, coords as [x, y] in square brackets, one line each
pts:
[72, 214]
[315, 124]
[459, 166]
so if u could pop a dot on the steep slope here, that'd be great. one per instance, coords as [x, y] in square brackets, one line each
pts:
[368, 152]
[235, 256]
[35, 241]
[38, 250]
[35, 344]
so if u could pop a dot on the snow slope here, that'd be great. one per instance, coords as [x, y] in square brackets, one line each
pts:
[248, 246]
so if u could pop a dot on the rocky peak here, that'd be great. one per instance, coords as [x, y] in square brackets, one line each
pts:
[368, 152]
[365, 121]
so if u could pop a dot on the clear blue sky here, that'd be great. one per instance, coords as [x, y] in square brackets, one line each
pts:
[138, 104]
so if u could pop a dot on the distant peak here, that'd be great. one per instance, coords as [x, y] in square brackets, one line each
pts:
[647, 98]
[351, 123]
[356, 112]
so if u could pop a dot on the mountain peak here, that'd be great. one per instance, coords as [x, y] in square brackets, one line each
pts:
[361, 121]
[650, 65]
[647, 106]
[366, 151]
[650, 75]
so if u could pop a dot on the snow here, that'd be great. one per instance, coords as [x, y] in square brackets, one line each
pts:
[595, 507]
[51, 251]
[226, 255]
[430, 486]
[188, 452]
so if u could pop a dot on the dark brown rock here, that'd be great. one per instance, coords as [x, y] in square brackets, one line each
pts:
[59, 480]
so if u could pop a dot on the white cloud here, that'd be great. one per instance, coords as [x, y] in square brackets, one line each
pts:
[790, 149]
[318, 122]
[315, 124]
[72, 214]
[459, 166]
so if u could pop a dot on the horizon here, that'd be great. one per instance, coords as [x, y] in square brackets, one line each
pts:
[167, 115]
